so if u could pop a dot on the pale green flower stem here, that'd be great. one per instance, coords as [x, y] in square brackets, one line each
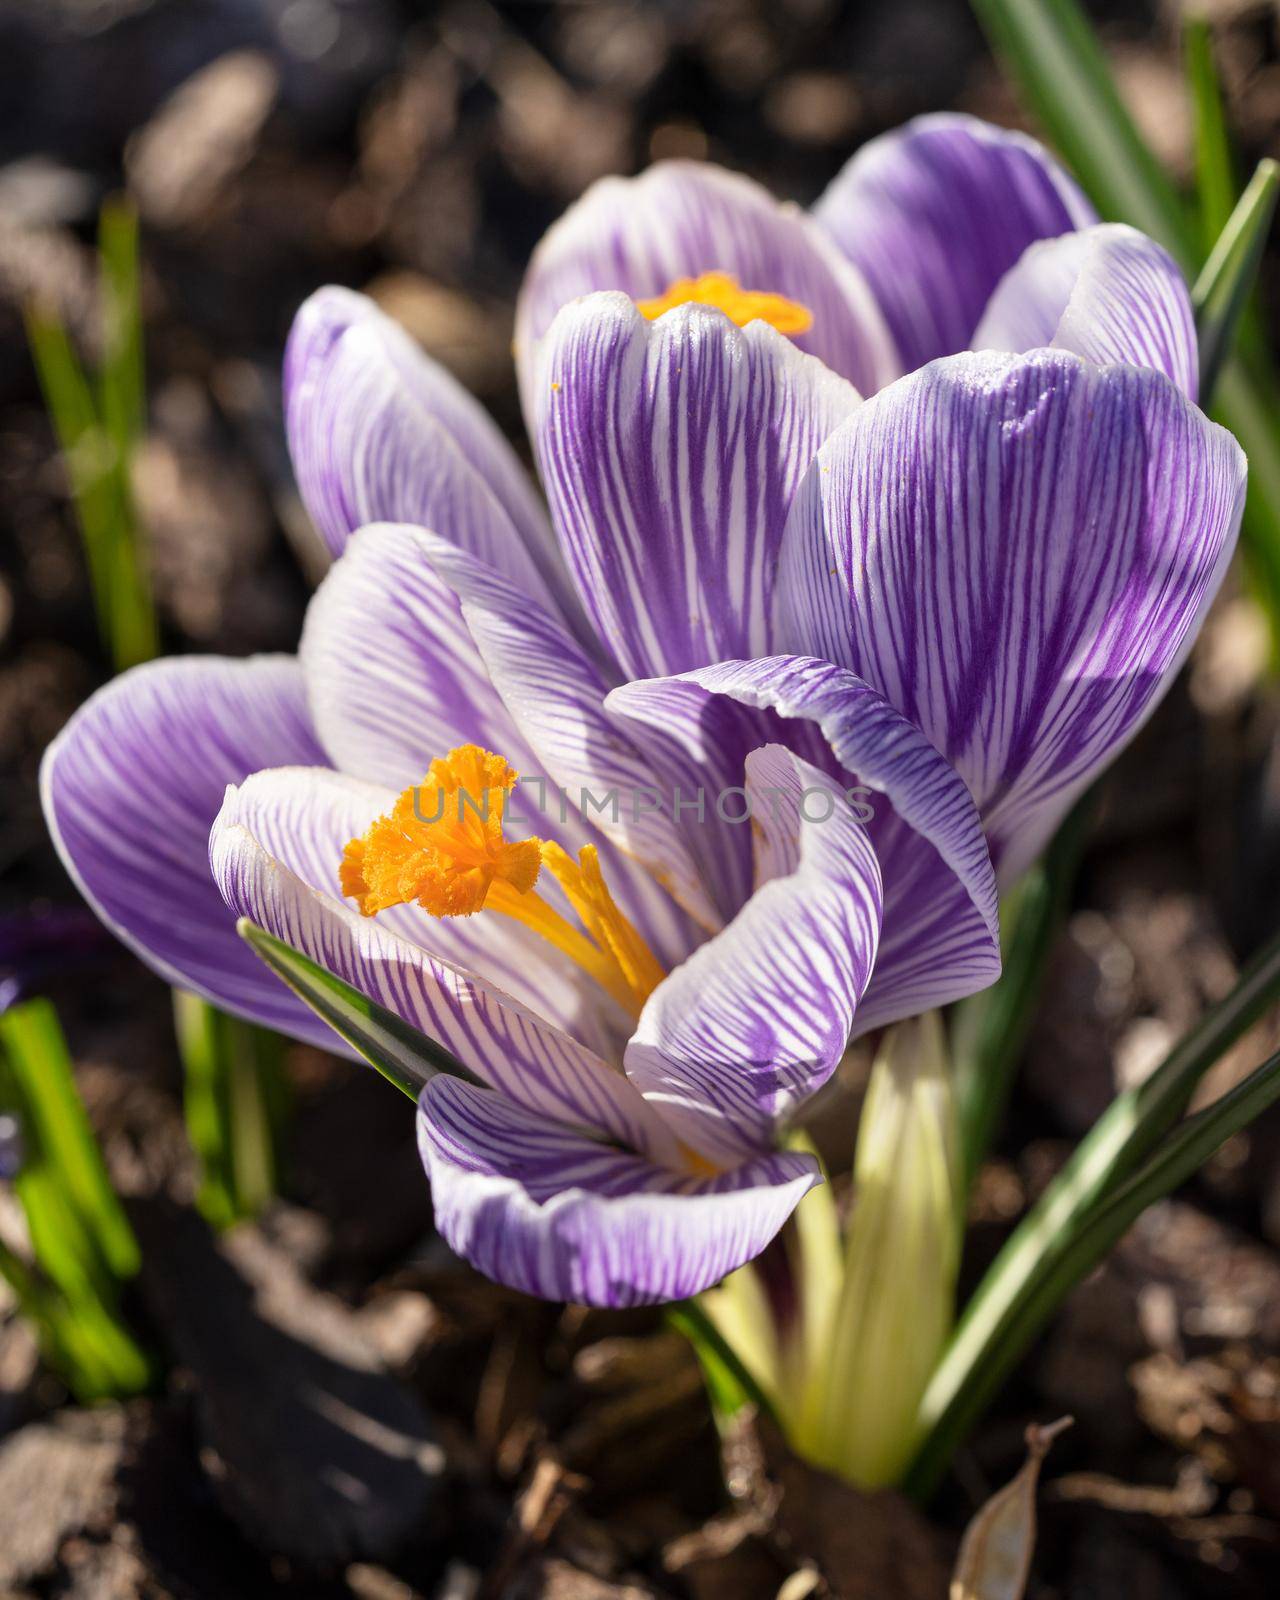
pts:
[871, 1314]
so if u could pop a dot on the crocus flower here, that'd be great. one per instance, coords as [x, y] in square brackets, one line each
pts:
[960, 597]
[896, 262]
[720, 966]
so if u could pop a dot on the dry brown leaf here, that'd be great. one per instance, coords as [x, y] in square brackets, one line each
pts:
[995, 1553]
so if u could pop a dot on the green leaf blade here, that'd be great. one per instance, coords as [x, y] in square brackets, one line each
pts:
[1078, 1253]
[234, 1094]
[1051, 49]
[1215, 166]
[997, 1317]
[399, 1052]
[989, 1030]
[1222, 290]
[41, 1067]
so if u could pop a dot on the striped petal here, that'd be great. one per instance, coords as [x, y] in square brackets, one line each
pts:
[680, 219]
[670, 452]
[380, 433]
[554, 692]
[935, 213]
[1107, 293]
[550, 1213]
[940, 937]
[130, 788]
[391, 668]
[758, 1018]
[1016, 551]
[274, 850]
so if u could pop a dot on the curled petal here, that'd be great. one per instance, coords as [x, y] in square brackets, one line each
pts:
[1016, 551]
[274, 851]
[940, 937]
[755, 1021]
[681, 219]
[391, 668]
[587, 771]
[553, 1214]
[670, 452]
[130, 788]
[1108, 293]
[935, 213]
[380, 433]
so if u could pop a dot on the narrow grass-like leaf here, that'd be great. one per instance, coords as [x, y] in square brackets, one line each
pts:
[123, 380]
[52, 1112]
[257, 1105]
[80, 1300]
[1122, 1138]
[1221, 293]
[72, 1336]
[233, 1088]
[402, 1054]
[81, 1241]
[1075, 1252]
[98, 424]
[399, 1052]
[989, 1030]
[204, 1105]
[730, 1385]
[1246, 400]
[122, 407]
[68, 396]
[1215, 167]
[1052, 50]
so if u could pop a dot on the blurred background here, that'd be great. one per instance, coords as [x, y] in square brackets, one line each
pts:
[418, 152]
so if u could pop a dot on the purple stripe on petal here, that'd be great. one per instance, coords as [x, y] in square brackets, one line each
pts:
[380, 433]
[396, 677]
[1107, 293]
[680, 219]
[940, 937]
[543, 1210]
[671, 451]
[1016, 551]
[269, 846]
[130, 788]
[758, 1018]
[555, 693]
[935, 213]
[391, 667]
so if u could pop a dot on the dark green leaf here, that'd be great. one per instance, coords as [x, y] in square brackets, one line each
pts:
[54, 1121]
[1114, 1148]
[233, 1082]
[1074, 1253]
[399, 1052]
[1051, 48]
[730, 1385]
[989, 1029]
[1222, 290]
[1215, 168]
[1052, 51]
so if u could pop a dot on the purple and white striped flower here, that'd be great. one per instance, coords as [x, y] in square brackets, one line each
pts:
[896, 262]
[960, 596]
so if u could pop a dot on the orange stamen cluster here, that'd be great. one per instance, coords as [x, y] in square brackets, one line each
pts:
[441, 847]
[441, 844]
[721, 290]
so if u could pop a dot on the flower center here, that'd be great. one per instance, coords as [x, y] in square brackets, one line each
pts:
[441, 846]
[720, 289]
